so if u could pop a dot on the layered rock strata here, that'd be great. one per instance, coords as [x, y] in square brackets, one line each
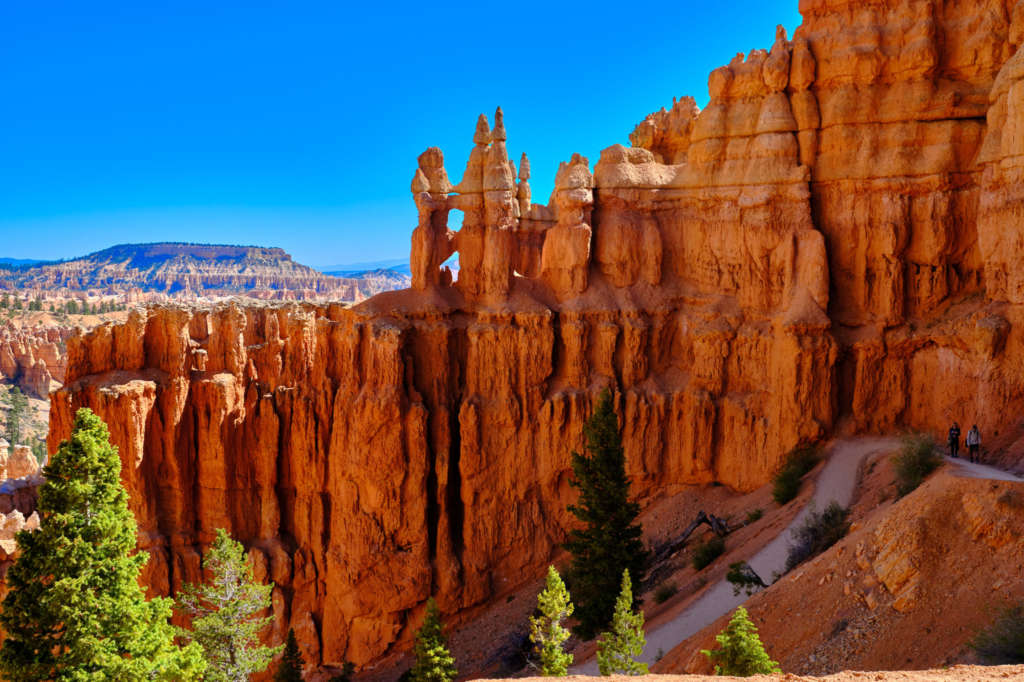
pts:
[177, 271]
[831, 240]
[33, 357]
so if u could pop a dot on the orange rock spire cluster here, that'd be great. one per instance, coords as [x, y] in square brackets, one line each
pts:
[31, 357]
[834, 239]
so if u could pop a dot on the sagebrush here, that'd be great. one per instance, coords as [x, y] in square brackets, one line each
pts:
[665, 592]
[916, 459]
[786, 482]
[744, 578]
[1003, 642]
[818, 532]
[706, 552]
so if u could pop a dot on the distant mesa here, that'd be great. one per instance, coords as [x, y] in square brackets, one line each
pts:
[19, 262]
[181, 271]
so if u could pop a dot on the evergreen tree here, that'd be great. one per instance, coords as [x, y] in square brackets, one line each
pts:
[224, 614]
[609, 542]
[16, 415]
[290, 667]
[39, 451]
[434, 662]
[5, 302]
[546, 631]
[74, 609]
[617, 649]
[348, 670]
[741, 653]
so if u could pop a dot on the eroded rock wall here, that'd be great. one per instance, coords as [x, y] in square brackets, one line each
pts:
[371, 460]
[32, 357]
[831, 242]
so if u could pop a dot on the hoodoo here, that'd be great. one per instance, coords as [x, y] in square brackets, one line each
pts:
[832, 239]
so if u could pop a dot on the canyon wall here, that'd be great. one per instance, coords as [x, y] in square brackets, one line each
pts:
[32, 357]
[830, 244]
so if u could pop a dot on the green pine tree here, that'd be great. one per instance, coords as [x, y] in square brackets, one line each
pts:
[434, 662]
[224, 614]
[74, 609]
[348, 670]
[290, 667]
[609, 542]
[16, 416]
[618, 648]
[741, 653]
[546, 631]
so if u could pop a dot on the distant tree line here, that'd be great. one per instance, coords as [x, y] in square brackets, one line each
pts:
[71, 307]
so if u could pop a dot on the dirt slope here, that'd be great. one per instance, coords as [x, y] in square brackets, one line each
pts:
[835, 482]
[906, 589]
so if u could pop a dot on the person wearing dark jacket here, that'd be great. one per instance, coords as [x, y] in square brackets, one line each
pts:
[954, 439]
[973, 442]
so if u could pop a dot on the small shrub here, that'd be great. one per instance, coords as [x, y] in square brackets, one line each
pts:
[706, 552]
[665, 592]
[624, 642]
[819, 532]
[546, 631]
[786, 483]
[755, 515]
[740, 651]
[1003, 643]
[348, 669]
[916, 459]
[838, 627]
[744, 578]
[1012, 499]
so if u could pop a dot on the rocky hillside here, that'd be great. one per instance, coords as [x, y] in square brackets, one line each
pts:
[32, 357]
[188, 271]
[832, 241]
[910, 585]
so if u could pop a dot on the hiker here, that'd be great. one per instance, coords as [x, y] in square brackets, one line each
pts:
[973, 441]
[954, 439]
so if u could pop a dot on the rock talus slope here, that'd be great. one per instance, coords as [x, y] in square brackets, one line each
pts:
[832, 238]
[907, 588]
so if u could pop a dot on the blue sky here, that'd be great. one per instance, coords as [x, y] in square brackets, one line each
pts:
[297, 124]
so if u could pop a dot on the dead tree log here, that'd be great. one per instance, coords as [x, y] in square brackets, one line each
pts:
[718, 525]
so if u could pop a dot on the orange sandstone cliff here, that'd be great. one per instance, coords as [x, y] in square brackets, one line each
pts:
[833, 240]
[32, 356]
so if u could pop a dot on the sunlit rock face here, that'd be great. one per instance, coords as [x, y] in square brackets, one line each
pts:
[832, 240]
[31, 357]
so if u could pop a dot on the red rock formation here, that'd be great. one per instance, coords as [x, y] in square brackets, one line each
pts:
[832, 238]
[31, 357]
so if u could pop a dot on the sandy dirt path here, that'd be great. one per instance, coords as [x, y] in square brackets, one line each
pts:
[976, 470]
[835, 482]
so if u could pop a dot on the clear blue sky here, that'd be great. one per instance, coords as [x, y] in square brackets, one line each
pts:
[297, 124]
